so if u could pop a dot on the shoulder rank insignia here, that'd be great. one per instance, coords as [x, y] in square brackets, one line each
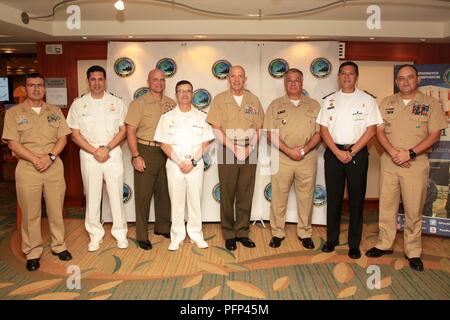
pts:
[114, 95]
[370, 94]
[328, 95]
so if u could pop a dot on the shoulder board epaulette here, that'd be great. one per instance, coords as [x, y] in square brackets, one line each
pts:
[114, 95]
[328, 95]
[80, 96]
[370, 94]
[167, 111]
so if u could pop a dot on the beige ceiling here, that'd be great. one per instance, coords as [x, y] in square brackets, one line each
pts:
[401, 20]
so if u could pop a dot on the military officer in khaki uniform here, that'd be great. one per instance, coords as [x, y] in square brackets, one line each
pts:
[412, 123]
[36, 132]
[149, 161]
[291, 124]
[236, 116]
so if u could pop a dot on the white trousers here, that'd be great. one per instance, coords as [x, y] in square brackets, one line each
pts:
[185, 188]
[93, 174]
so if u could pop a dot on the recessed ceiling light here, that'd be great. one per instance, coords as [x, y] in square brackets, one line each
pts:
[130, 37]
[200, 37]
[302, 37]
[372, 38]
[119, 5]
[84, 38]
[423, 40]
[8, 50]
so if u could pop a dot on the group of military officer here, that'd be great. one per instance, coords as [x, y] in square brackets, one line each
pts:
[165, 159]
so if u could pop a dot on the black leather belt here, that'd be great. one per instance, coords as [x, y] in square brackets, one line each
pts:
[344, 146]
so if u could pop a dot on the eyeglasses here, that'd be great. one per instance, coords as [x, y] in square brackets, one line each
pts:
[36, 86]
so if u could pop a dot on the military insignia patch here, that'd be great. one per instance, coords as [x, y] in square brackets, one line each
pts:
[268, 192]
[124, 67]
[126, 193]
[168, 66]
[320, 196]
[216, 192]
[320, 68]
[220, 69]
[277, 68]
[201, 99]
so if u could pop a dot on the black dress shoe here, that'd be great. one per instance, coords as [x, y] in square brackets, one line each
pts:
[307, 243]
[328, 247]
[33, 264]
[415, 263]
[376, 253]
[354, 253]
[63, 255]
[146, 245]
[275, 242]
[246, 242]
[230, 244]
[165, 235]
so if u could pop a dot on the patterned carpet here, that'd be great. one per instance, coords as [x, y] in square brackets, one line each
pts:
[286, 273]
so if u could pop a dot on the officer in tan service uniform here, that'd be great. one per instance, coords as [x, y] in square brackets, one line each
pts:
[291, 120]
[236, 116]
[149, 161]
[36, 132]
[412, 123]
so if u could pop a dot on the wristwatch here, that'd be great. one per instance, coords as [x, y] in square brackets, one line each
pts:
[52, 156]
[353, 154]
[302, 152]
[194, 163]
[412, 154]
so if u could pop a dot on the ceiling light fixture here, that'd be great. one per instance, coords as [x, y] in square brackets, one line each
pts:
[199, 37]
[84, 38]
[119, 5]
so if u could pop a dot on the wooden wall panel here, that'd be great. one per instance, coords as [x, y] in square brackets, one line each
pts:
[65, 65]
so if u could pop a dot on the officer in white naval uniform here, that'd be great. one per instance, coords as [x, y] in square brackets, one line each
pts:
[97, 122]
[184, 136]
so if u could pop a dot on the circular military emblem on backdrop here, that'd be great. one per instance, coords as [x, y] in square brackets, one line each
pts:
[140, 92]
[446, 76]
[126, 193]
[278, 67]
[201, 99]
[320, 68]
[320, 196]
[168, 66]
[124, 67]
[220, 69]
[207, 161]
[216, 192]
[268, 192]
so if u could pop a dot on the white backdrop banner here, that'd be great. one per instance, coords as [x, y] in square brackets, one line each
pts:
[194, 62]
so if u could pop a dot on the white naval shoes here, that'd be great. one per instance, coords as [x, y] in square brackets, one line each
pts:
[122, 243]
[174, 246]
[94, 245]
[202, 244]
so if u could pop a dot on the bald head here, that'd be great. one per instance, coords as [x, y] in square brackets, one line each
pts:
[156, 81]
[237, 79]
